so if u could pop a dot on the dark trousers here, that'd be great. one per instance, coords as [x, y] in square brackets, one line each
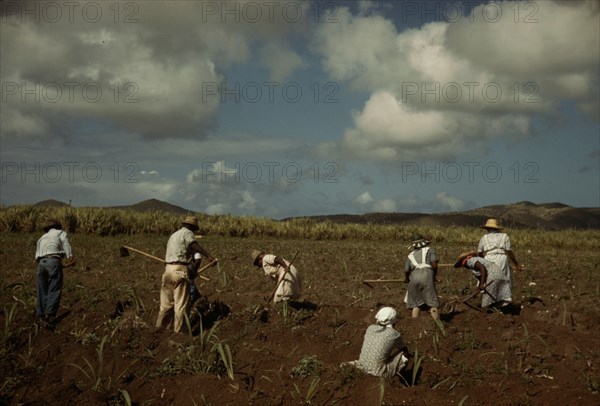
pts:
[49, 283]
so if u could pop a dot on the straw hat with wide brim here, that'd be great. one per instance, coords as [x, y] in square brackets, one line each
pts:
[191, 221]
[462, 256]
[492, 224]
[255, 256]
[51, 223]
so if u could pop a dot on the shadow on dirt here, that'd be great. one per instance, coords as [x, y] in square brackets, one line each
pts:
[447, 317]
[512, 309]
[409, 377]
[120, 308]
[205, 314]
[304, 305]
[50, 322]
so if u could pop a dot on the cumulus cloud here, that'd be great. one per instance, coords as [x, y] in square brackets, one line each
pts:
[364, 198]
[545, 37]
[281, 60]
[155, 71]
[385, 206]
[445, 86]
[449, 203]
[149, 173]
[388, 130]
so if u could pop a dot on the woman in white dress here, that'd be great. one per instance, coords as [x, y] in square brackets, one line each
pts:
[495, 247]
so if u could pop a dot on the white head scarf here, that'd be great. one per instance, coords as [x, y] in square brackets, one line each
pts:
[386, 316]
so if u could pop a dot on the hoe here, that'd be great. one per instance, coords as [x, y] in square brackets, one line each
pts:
[124, 252]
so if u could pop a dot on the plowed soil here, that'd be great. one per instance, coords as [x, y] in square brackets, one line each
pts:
[104, 348]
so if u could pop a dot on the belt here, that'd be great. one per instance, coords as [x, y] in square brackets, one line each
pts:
[55, 256]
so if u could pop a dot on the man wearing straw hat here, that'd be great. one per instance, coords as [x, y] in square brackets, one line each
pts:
[175, 288]
[286, 275]
[495, 247]
[51, 248]
[420, 270]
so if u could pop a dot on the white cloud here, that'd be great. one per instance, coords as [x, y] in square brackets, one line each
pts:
[387, 130]
[444, 87]
[385, 206]
[156, 73]
[545, 37]
[213, 172]
[364, 198]
[248, 201]
[281, 60]
[21, 124]
[359, 49]
[448, 202]
[217, 208]
[388, 121]
[149, 173]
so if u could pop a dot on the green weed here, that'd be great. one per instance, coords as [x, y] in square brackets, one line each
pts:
[416, 367]
[592, 382]
[437, 385]
[521, 347]
[307, 366]
[311, 391]
[470, 340]
[436, 344]
[101, 376]
[225, 357]
[204, 353]
[84, 337]
[30, 354]
[418, 359]
[10, 313]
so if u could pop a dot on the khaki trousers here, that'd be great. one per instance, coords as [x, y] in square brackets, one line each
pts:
[174, 297]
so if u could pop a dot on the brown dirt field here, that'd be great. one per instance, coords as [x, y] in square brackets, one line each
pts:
[547, 354]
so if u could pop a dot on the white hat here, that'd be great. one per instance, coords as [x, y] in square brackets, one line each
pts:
[386, 316]
[197, 256]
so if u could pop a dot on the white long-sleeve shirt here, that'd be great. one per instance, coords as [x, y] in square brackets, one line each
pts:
[54, 242]
[291, 282]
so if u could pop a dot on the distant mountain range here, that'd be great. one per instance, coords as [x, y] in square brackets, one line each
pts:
[549, 216]
[156, 205]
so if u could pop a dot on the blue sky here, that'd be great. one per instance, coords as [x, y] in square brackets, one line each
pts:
[295, 108]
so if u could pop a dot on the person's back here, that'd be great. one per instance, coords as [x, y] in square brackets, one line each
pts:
[420, 270]
[378, 343]
[177, 246]
[377, 355]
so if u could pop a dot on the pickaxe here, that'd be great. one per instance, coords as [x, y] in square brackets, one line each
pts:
[124, 252]
[471, 296]
[369, 281]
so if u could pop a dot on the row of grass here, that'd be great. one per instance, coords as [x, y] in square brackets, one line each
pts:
[111, 222]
